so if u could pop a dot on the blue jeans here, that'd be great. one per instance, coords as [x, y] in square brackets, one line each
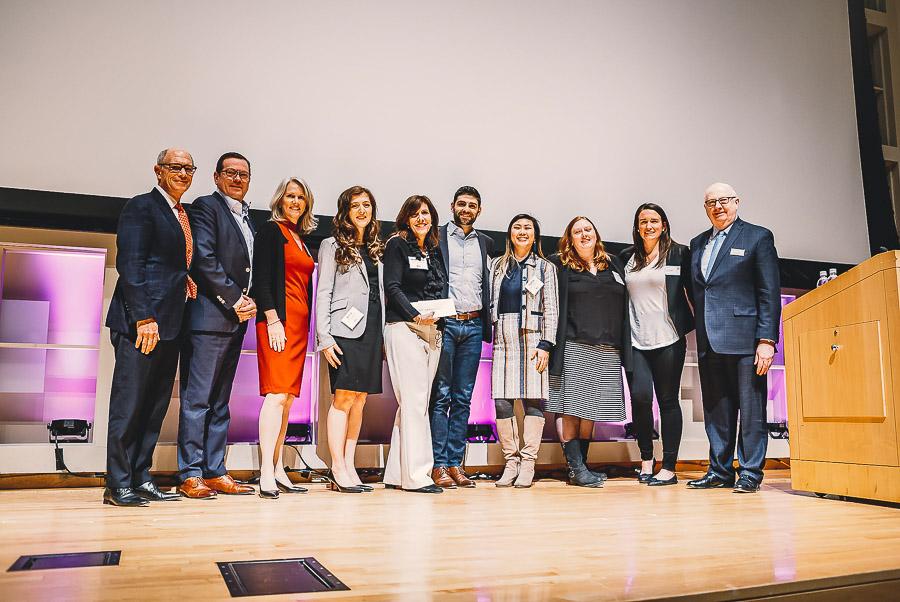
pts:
[451, 396]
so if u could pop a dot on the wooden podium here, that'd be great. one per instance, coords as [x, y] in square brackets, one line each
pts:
[842, 362]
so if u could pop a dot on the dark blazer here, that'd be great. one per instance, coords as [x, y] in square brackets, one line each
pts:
[676, 285]
[558, 351]
[741, 302]
[152, 267]
[221, 266]
[269, 271]
[487, 248]
[404, 286]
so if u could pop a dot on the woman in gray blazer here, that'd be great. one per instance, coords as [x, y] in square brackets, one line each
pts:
[349, 326]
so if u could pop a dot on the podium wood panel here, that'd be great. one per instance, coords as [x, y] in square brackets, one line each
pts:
[843, 371]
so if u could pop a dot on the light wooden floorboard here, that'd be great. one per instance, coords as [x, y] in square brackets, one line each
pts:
[625, 541]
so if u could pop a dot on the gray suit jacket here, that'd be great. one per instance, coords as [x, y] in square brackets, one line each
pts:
[337, 292]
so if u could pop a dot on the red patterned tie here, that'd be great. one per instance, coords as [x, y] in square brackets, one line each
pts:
[189, 247]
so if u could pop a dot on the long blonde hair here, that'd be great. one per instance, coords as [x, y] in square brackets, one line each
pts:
[307, 222]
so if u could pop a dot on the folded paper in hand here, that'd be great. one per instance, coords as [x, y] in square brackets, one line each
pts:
[441, 307]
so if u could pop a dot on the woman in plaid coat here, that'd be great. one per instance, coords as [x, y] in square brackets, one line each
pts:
[525, 313]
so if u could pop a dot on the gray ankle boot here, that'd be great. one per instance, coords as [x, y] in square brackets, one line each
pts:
[578, 472]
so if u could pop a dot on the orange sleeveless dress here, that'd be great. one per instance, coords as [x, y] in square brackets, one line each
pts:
[283, 372]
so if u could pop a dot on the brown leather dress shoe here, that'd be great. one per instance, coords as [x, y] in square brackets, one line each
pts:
[194, 487]
[225, 484]
[460, 477]
[442, 478]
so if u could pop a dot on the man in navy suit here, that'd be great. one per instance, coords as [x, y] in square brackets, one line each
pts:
[216, 324]
[154, 251]
[736, 294]
[466, 253]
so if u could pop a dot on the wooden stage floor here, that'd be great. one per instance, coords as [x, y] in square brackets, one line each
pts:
[623, 542]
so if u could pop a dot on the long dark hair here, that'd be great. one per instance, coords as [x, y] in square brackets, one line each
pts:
[410, 207]
[570, 257]
[665, 239]
[508, 255]
[345, 231]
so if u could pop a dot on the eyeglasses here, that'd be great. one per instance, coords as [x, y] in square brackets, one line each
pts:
[724, 201]
[231, 174]
[177, 167]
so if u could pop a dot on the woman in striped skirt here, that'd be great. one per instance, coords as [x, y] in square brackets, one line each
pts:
[524, 312]
[593, 340]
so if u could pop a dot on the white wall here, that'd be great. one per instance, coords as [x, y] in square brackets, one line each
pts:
[556, 108]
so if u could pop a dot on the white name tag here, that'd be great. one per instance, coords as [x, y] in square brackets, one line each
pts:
[672, 270]
[618, 278]
[738, 252]
[352, 318]
[534, 286]
[418, 264]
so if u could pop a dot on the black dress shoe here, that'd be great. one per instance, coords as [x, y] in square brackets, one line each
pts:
[335, 486]
[272, 495]
[746, 485]
[426, 489]
[289, 488]
[365, 487]
[709, 481]
[122, 496]
[654, 482]
[149, 491]
[645, 478]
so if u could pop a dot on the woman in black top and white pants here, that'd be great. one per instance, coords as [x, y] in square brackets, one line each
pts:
[413, 271]
[657, 272]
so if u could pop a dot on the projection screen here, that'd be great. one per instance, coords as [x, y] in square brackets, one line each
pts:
[556, 108]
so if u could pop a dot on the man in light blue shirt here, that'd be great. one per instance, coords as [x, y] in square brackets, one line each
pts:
[465, 252]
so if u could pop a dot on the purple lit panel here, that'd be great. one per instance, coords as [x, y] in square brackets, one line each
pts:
[246, 400]
[70, 384]
[71, 281]
[482, 408]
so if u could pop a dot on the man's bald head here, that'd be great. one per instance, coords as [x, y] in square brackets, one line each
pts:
[721, 202]
[174, 171]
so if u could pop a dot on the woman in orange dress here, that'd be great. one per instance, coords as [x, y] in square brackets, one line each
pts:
[282, 288]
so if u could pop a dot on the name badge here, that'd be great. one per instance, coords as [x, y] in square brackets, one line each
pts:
[418, 264]
[672, 270]
[738, 252]
[618, 278]
[352, 318]
[534, 286]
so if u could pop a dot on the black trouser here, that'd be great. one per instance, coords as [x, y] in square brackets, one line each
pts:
[141, 389]
[658, 369]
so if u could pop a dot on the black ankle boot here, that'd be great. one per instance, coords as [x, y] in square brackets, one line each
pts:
[583, 446]
[578, 473]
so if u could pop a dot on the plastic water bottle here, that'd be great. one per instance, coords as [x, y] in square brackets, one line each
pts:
[823, 278]
[832, 273]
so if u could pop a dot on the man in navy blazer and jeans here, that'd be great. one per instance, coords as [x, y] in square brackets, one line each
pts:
[736, 294]
[154, 251]
[216, 324]
[466, 253]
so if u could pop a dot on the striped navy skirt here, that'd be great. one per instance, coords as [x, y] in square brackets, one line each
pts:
[513, 372]
[590, 386]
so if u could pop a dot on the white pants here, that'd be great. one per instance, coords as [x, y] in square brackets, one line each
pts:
[412, 361]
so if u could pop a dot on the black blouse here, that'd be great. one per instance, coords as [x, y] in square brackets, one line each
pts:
[404, 285]
[595, 315]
